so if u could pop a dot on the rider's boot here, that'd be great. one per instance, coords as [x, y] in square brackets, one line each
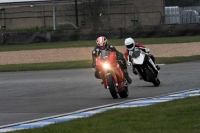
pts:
[135, 71]
[140, 77]
[129, 80]
[103, 84]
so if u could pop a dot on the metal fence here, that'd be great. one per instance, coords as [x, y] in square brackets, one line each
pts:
[92, 14]
[182, 15]
[96, 14]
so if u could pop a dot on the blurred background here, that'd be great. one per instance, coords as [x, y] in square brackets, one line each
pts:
[94, 14]
[69, 20]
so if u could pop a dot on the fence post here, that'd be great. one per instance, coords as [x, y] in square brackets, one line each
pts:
[54, 15]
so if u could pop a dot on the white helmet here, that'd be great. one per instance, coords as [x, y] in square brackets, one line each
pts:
[129, 43]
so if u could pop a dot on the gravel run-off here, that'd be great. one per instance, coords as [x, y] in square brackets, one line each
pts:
[84, 53]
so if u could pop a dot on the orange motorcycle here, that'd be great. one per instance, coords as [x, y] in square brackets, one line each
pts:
[111, 74]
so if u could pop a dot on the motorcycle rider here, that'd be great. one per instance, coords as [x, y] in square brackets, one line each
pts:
[130, 46]
[102, 44]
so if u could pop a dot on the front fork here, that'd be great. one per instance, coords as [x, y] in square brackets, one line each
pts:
[115, 80]
[153, 64]
[118, 87]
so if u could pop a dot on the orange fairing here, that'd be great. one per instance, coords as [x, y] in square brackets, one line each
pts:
[114, 68]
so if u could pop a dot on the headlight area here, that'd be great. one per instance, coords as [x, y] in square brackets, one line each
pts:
[106, 66]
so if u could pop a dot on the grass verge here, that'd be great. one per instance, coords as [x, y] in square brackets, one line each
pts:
[82, 64]
[92, 43]
[46, 66]
[177, 116]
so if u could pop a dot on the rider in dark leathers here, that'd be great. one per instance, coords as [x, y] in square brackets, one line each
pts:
[102, 44]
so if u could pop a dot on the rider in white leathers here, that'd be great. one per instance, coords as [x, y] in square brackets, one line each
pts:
[130, 46]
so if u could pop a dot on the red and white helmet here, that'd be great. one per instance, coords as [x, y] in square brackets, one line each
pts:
[129, 43]
[102, 42]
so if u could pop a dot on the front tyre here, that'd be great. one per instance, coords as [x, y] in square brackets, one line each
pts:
[111, 86]
[152, 78]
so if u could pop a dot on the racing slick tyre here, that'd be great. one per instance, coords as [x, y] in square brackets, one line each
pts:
[111, 86]
[124, 93]
[152, 78]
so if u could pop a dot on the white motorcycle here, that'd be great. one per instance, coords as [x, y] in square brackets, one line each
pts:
[144, 66]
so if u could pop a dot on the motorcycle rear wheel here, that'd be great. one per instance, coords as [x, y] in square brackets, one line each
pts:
[124, 93]
[111, 86]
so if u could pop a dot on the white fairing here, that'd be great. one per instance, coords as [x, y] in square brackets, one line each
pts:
[153, 64]
[139, 60]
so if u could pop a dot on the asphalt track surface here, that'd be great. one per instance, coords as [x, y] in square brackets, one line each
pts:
[32, 95]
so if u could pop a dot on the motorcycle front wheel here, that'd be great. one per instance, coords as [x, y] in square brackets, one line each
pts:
[152, 78]
[111, 86]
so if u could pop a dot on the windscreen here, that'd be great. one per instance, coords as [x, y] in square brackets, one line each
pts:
[136, 53]
[104, 54]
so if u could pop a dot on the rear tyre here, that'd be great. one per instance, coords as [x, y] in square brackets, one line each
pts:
[111, 86]
[153, 78]
[124, 93]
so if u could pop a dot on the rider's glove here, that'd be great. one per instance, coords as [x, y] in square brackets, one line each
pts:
[94, 64]
[128, 63]
[147, 50]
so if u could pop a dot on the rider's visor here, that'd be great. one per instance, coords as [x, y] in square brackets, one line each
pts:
[129, 46]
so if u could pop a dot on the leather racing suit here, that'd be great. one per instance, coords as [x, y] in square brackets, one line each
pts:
[120, 59]
[143, 48]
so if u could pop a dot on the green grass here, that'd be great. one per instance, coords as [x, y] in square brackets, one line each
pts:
[81, 64]
[179, 59]
[92, 43]
[46, 66]
[177, 116]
